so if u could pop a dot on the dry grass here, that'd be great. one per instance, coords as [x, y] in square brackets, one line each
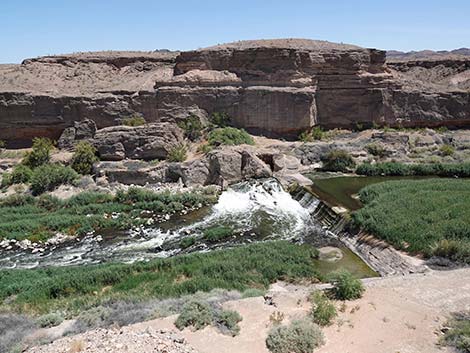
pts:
[76, 346]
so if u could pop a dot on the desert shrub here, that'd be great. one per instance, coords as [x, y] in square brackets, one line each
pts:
[337, 161]
[253, 292]
[50, 320]
[40, 153]
[187, 242]
[134, 120]
[178, 153]
[458, 334]
[316, 133]
[346, 286]
[83, 158]
[204, 148]
[220, 119]
[16, 200]
[447, 150]
[20, 174]
[229, 136]
[323, 311]
[227, 321]
[301, 336]
[49, 176]
[376, 150]
[192, 127]
[13, 329]
[217, 233]
[196, 314]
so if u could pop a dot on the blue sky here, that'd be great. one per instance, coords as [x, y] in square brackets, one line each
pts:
[30, 28]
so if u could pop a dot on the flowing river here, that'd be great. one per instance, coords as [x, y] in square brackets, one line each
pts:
[256, 210]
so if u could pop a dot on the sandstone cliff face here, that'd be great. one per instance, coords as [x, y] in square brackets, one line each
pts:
[273, 87]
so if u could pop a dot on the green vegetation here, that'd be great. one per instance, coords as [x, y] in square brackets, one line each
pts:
[134, 120]
[204, 148]
[217, 233]
[458, 335]
[49, 176]
[346, 286]
[20, 174]
[447, 150]
[429, 216]
[220, 119]
[3, 144]
[337, 161]
[192, 127]
[229, 136]
[376, 150]
[228, 321]
[301, 336]
[178, 153]
[195, 314]
[187, 242]
[323, 310]
[26, 217]
[400, 169]
[50, 320]
[74, 289]
[83, 158]
[40, 154]
[314, 134]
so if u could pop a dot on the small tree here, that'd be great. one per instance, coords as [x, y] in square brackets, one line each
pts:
[40, 154]
[192, 127]
[84, 157]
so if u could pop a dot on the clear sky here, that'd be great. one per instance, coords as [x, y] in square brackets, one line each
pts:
[30, 28]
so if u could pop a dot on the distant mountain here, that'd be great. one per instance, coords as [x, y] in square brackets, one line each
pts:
[394, 55]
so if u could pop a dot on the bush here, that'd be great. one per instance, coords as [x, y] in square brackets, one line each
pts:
[195, 314]
[316, 133]
[447, 150]
[338, 161]
[83, 158]
[458, 335]
[218, 233]
[187, 242]
[346, 286]
[178, 153]
[17, 200]
[49, 176]
[50, 320]
[204, 148]
[227, 320]
[40, 154]
[192, 127]
[301, 336]
[323, 311]
[376, 150]
[220, 119]
[134, 120]
[20, 174]
[461, 170]
[229, 136]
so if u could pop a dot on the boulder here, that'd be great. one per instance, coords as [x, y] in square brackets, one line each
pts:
[147, 142]
[82, 130]
[282, 161]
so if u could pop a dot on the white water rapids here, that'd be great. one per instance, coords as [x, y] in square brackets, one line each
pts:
[254, 210]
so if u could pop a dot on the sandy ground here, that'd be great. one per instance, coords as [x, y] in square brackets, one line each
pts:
[396, 315]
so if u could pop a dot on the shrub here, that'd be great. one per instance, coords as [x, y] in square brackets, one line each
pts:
[227, 320]
[49, 176]
[50, 320]
[447, 150]
[229, 136]
[316, 133]
[178, 153]
[376, 150]
[323, 311]
[301, 336]
[192, 127]
[20, 174]
[187, 242]
[346, 286]
[204, 148]
[218, 233]
[337, 161]
[195, 314]
[458, 335]
[134, 120]
[220, 119]
[3, 144]
[40, 154]
[83, 158]
[16, 200]
[400, 169]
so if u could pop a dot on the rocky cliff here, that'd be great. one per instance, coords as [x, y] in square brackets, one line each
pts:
[273, 87]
